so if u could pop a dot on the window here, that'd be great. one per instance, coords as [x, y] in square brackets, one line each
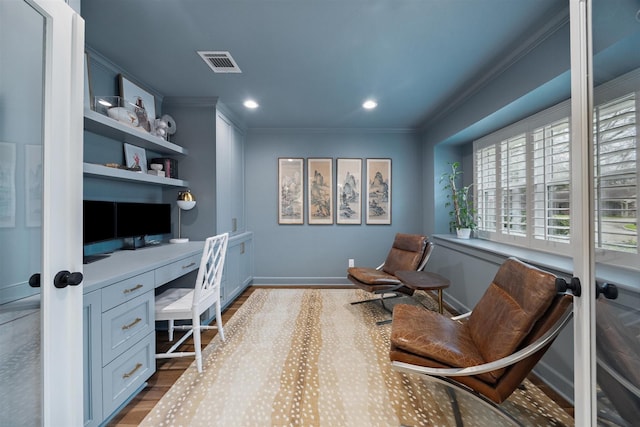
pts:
[615, 174]
[522, 175]
[551, 181]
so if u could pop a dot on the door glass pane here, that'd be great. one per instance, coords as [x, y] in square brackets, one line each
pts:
[616, 122]
[21, 184]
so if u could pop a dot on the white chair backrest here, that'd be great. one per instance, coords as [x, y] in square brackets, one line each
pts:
[210, 271]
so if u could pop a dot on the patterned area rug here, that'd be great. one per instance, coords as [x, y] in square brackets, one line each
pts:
[296, 357]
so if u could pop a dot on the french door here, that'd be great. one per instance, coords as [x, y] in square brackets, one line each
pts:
[41, 98]
[605, 45]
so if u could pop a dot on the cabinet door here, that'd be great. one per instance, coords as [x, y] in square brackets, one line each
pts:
[92, 358]
[229, 177]
[237, 181]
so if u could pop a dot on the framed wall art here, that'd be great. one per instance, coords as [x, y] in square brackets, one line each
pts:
[139, 97]
[349, 191]
[378, 191]
[320, 191]
[34, 181]
[290, 191]
[7, 184]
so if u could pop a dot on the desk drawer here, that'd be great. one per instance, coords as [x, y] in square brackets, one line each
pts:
[120, 292]
[127, 373]
[126, 324]
[177, 269]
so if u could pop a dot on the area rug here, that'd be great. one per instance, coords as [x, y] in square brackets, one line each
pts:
[296, 357]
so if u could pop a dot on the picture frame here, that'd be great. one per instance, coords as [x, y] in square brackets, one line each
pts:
[7, 184]
[290, 190]
[134, 155]
[136, 96]
[33, 175]
[379, 191]
[88, 89]
[320, 191]
[348, 191]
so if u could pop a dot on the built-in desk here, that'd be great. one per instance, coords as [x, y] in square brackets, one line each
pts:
[119, 322]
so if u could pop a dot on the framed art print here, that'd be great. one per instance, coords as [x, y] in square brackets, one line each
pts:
[320, 191]
[290, 191]
[378, 191]
[349, 191]
[135, 95]
[7, 184]
[34, 180]
[135, 157]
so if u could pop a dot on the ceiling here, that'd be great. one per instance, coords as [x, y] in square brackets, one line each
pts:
[311, 63]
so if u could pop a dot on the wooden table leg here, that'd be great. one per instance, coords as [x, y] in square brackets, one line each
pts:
[440, 300]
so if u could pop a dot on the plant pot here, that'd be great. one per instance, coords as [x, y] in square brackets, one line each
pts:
[463, 233]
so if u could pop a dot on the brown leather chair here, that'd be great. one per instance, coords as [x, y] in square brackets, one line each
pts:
[618, 367]
[408, 252]
[489, 351]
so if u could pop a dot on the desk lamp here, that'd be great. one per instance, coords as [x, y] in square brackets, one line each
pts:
[186, 201]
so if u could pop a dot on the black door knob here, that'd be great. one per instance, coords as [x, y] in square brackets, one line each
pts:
[34, 280]
[65, 278]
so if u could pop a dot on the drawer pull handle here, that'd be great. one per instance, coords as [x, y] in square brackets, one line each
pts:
[189, 265]
[135, 288]
[133, 371]
[132, 324]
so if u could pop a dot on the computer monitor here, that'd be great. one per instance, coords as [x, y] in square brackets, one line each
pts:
[142, 219]
[99, 221]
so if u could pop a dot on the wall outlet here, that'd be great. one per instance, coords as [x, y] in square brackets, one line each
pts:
[351, 263]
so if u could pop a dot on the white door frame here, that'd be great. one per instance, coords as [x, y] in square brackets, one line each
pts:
[61, 309]
[582, 212]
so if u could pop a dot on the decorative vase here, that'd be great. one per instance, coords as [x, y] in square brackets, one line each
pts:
[463, 233]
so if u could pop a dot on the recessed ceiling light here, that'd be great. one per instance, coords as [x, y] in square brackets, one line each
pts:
[369, 104]
[250, 103]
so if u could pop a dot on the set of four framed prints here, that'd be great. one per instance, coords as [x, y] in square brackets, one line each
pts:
[326, 201]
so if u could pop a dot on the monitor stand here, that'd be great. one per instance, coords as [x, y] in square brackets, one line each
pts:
[131, 243]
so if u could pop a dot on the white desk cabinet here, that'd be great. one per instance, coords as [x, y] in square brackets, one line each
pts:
[119, 322]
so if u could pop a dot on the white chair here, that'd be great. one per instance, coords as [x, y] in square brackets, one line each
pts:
[186, 303]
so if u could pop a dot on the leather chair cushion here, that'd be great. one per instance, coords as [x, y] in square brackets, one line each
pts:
[431, 335]
[371, 276]
[406, 253]
[518, 296]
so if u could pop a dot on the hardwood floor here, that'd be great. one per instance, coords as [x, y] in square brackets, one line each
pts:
[169, 370]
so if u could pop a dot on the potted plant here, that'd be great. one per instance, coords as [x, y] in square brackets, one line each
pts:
[462, 213]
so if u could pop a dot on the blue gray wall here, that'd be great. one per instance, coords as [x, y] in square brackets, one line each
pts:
[318, 254]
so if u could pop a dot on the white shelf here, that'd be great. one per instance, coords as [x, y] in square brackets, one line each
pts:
[106, 126]
[91, 169]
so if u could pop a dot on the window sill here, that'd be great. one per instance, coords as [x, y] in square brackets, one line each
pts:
[624, 278]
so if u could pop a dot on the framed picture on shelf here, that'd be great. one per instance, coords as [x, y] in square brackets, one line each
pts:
[378, 191]
[349, 191]
[135, 157]
[290, 191]
[88, 91]
[320, 191]
[135, 95]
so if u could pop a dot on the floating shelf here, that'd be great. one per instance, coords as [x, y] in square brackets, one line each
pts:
[91, 169]
[106, 126]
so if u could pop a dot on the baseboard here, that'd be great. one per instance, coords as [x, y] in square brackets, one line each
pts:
[300, 281]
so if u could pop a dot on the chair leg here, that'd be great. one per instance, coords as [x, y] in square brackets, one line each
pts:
[171, 328]
[197, 342]
[219, 320]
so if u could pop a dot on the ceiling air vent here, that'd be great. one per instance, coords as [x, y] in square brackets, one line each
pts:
[220, 62]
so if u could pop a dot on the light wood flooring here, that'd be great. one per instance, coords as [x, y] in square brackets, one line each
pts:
[169, 370]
